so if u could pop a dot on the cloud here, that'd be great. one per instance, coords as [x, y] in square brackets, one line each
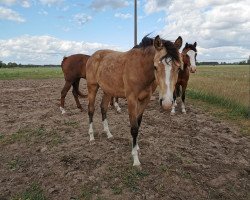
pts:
[23, 3]
[104, 4]
[215, 24]
[9, 14]
[44, 49]
[81, 18]
[123, 15]
[51, 2]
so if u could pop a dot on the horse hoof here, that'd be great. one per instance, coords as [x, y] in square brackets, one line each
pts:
[110, 137]
[184, 112]
[62, 110]
[92, 141]
[172, 113]
[119, 110]
[138, 167]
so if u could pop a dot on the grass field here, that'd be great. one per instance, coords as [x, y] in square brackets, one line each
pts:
[224, 86]
[30, 73]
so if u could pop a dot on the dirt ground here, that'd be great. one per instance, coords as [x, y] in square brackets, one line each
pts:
[193, 156]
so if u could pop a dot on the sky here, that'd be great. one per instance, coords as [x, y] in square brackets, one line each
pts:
[44, 31]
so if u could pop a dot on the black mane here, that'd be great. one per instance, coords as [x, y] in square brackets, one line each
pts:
[145, 42]
[190, 46]
[171, 49]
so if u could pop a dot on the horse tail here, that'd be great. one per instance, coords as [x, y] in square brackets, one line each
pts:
[178, 91]
[76, 89]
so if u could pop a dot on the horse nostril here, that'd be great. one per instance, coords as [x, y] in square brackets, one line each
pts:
[161, 102]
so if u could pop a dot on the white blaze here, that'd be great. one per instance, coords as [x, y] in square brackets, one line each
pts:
[168, 67]
[191, 55]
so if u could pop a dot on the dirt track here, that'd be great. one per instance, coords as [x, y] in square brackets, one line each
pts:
[192, 156]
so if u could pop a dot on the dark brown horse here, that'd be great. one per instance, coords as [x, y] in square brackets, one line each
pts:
[133, 75]
[189, 54]
[74, 68]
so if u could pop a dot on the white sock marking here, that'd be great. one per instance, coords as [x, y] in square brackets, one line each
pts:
[91, 132]
[135, 157]
[118, 109]
[62, 110]
[106, 128]
[183, 108]
[173, 108]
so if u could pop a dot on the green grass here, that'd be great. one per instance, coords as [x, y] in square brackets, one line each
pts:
[34, 192]
[222, 91]
[230, 83]
[30, 73]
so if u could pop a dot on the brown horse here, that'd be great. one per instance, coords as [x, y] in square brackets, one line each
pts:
[74, 68]
[133, 75]
[189, 54]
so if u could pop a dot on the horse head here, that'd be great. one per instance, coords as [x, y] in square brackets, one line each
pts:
[167, 63]
[190, 51]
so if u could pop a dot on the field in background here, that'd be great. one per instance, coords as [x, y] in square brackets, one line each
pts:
[30, 73]
[224, 86]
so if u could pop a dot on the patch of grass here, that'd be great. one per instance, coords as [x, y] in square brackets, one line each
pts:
[234, 109]
[132, 177]
[229, 82]
[30, 73]
[73, 124]
[34, 192]
[1, 136]
[88, 190]
[24, 134]
[15, 164]
[116, 190]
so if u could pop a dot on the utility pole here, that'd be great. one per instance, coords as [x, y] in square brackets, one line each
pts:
[135, 24]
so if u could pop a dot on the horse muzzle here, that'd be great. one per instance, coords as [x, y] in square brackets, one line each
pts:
[166, 104]
[193, 69]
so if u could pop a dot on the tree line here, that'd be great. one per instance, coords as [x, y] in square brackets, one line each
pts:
[13, 65]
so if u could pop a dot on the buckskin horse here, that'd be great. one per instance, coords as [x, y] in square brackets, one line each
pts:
[133, 75]
[189, 54]
[74, 68]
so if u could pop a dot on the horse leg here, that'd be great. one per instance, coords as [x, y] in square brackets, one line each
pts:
[104, 108]
[64, 92]
[75, 93]
[92, 90]
[141, 107]
[118, 109]
[133, 118]
[183, 99]
[174, 103]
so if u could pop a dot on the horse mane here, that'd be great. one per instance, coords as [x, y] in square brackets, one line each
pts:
[171, 49]
[173, 52]
[190, 46]
[145, 42]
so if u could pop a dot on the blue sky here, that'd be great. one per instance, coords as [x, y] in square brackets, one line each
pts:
[43, 31]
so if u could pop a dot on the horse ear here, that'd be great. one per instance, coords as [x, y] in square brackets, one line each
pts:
[178, 42]
[158, 43]
[186, 45]
[195, 44]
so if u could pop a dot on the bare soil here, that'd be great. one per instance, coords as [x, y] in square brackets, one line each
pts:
[193, 156]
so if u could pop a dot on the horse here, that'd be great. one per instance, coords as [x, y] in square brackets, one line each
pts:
[133, 75]
[189, 54]
[74, 68]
